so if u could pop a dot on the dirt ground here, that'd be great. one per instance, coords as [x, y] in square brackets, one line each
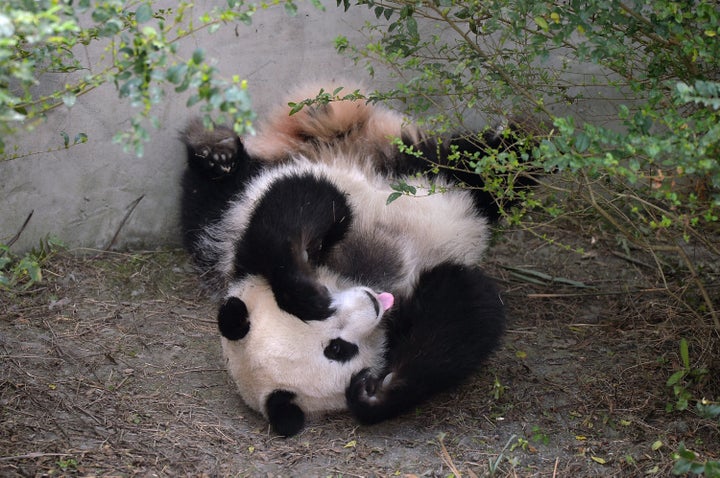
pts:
[111, 367]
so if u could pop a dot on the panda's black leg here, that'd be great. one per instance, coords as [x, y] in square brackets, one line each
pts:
[217, 167]
[437, 338]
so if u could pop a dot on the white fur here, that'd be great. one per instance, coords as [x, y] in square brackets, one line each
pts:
[281, 352]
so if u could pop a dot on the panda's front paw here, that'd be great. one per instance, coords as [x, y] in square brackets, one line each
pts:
[301, 297]
[372, 399]
[367, 388]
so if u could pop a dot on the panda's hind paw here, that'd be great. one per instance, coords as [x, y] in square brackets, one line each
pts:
[215, 151]
[219, 158]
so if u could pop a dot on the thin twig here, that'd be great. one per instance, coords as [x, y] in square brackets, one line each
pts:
[31, 455]
[17, 235]
[124, 220]
[596, 293]
[448, 460]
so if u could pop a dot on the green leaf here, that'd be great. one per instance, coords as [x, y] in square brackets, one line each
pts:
[291, 9]
[541, 23]
[392, 197]
[176, 73]
[143, 13]
[675, 378]
[35, 273]
[412, 27]
[582, 142]
[198, 56]
[193, 100]
[684, 353]
[295, 107]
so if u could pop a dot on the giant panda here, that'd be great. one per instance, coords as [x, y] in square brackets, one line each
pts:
[330, 296]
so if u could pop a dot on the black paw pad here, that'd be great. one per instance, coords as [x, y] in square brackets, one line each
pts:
[219, 157]
[215, 151]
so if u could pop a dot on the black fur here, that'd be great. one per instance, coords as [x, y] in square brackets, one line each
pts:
[207, 187]
[297, 220]
[233, 319]
[286, 418]
[380, 270]
[437, 338]
[340, 350]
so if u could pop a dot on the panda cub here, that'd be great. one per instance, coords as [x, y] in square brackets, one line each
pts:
[332, 297]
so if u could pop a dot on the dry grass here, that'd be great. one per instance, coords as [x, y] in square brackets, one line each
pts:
[112, 368]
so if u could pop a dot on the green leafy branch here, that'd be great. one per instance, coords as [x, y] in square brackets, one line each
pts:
[646, 168]
[141, 42]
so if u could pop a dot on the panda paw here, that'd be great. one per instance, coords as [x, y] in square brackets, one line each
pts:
[219, 157]
[369, 389]
[215, 151]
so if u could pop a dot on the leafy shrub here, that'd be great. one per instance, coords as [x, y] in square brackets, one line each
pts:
[687, 461]
[39, 39]
[646, 163]
[18, 273]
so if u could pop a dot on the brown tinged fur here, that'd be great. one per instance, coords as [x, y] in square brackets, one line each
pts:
[345, 126]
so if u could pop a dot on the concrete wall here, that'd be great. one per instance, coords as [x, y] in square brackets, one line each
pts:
[82, 194]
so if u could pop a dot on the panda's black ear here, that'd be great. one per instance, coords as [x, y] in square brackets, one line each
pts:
[286, 418]
[233, 319]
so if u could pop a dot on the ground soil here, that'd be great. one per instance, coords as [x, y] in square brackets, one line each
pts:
[111, 367]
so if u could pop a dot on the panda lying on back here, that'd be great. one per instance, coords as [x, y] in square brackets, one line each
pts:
[332, 298]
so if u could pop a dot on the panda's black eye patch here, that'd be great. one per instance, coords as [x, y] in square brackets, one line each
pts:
[340, 350]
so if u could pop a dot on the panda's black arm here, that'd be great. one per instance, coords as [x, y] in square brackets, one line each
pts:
[292, 226]
[436, 339]
[286, 418]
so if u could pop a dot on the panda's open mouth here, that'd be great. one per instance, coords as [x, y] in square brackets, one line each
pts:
[375, 302]
[382, 301]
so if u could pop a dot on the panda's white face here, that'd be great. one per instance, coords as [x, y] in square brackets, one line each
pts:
[313, 361]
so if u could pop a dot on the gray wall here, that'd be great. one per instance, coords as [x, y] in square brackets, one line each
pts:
[82, 194]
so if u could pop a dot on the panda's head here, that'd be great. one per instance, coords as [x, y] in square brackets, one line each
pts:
[286, 368]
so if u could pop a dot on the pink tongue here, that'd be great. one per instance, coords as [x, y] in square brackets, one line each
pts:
[386, 299]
